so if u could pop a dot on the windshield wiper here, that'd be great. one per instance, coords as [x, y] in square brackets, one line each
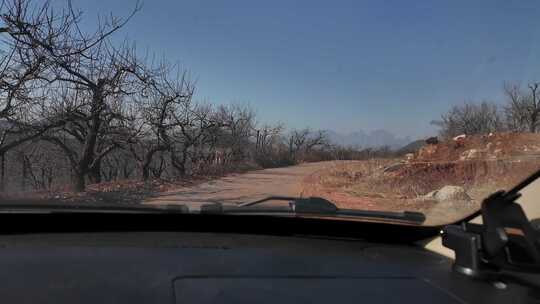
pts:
[309, 206]
[510, 195]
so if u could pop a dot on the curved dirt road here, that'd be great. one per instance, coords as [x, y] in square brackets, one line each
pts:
[241, 188]
[298, 181]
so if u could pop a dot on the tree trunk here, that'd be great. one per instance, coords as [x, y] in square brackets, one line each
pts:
[534, 123]
[158, 172]
[78, 182]
[145, 172]
[147, 161]
[535, 110]
[24, 174]
[180, 166]
[2, 171]
[90, 142]
[95, 173]
[43, 179]
[125, 170]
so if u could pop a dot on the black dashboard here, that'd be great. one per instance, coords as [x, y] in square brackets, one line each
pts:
[228, 267]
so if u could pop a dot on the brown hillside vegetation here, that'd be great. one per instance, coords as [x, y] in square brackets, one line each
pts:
[495, 146]
[479, 164]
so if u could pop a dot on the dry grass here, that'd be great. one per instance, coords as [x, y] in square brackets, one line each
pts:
[360, 185]
[369, 178]
[391, 185]
[360, 178]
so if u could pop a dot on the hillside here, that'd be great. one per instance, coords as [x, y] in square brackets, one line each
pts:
[411, 147]
[496, 146]
[472, 167]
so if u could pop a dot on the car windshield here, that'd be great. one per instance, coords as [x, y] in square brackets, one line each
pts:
[397, 107]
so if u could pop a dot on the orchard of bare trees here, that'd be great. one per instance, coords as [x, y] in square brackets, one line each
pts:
[84, 106]
[79, 107]
[520, 113]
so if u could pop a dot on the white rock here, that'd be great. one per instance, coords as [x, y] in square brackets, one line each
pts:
[460, 137]
[409, 156]
[448, 193]
[470, 154]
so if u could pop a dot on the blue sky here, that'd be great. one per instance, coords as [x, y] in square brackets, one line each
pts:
[341, 65]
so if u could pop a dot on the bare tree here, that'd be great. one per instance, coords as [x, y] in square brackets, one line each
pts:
[523, 109]
[267, 137]
[23, 93]
[157, 116]
[93, 71]
[196, 127]
[470, 118]
[238, 130]
[302, 142]
[117, 165]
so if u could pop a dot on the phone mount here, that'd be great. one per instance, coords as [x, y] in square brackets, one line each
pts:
[506, 241]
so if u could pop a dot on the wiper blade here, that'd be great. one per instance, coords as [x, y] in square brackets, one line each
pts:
[510, 195]
[310, 206]
[524, 183]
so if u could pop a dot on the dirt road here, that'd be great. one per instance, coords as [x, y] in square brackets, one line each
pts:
[241, 188]
[301, 181]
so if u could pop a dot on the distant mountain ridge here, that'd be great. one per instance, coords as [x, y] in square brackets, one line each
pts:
[412, 147]
[373, 139]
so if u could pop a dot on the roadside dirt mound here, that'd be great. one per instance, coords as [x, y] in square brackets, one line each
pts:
[491, 147]
[478, 164]
[478, 177]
